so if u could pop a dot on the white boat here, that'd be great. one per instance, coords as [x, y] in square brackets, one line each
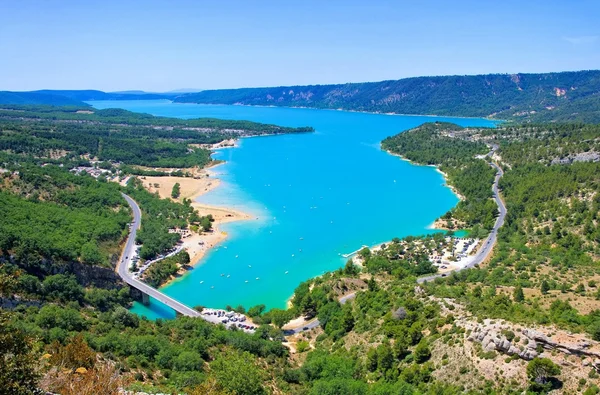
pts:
[286, 272]
[202, 282]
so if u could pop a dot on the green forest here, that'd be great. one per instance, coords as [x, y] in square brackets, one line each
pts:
[65, 324]
[60, 135]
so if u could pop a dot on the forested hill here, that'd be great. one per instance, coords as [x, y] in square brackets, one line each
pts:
[564, 96]
[38, 98]
[59, 134]
[75, 97]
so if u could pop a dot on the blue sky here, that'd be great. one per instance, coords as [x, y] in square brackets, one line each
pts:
[163, 45]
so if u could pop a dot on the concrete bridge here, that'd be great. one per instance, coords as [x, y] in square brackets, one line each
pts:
[145, 289]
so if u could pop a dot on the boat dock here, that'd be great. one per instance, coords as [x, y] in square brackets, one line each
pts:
[354, 252]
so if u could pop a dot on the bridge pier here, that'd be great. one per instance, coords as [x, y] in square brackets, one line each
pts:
[140, 296]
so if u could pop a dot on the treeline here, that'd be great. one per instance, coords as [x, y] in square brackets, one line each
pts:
[564, 96]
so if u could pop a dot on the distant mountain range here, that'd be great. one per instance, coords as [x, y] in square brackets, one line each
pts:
[565, 96]
[561, 97]
[76, 97]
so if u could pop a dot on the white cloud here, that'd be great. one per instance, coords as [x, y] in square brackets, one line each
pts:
[581, 40]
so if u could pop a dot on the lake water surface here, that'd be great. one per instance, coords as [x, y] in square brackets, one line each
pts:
[315, 195]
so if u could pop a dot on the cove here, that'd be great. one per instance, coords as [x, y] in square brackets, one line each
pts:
[315, 196]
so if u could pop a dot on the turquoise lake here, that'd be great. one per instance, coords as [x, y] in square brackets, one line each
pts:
[315, 196]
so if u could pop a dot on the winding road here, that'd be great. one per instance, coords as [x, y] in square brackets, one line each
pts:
[486, 248]
[123, 268]
[125, 263]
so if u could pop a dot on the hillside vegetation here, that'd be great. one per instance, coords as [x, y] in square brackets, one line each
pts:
[551, 186]
[59, 135]
[64, 324]
[527, 320]
[539, 97]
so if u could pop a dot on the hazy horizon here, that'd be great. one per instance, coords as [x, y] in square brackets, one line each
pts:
[193, 90]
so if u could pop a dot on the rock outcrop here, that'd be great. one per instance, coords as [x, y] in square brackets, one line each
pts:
[525, 343]
[579, 157]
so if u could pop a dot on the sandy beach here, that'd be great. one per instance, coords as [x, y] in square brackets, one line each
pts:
[196, 244]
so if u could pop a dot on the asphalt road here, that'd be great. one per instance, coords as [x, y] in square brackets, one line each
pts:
[482, 254]
[125, 262]
[486, 249]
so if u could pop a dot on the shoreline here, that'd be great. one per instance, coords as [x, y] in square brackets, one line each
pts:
[437, 169]
[487, 118]
[433, 226]
[197, 244]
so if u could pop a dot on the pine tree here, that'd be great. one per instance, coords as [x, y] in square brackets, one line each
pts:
[545, 287]
[518, 294]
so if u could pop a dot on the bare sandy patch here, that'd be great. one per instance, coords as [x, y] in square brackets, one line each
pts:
[197, 244]
[190, 187]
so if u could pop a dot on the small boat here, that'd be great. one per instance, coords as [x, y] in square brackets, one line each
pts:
[202, 282]
[292, 255]
[246, 281]
[237, 256]
[222, 274]
[212, 287]
[229, 275]
[258, 278]
[249, 265]
[302, 238]
[286, 272]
